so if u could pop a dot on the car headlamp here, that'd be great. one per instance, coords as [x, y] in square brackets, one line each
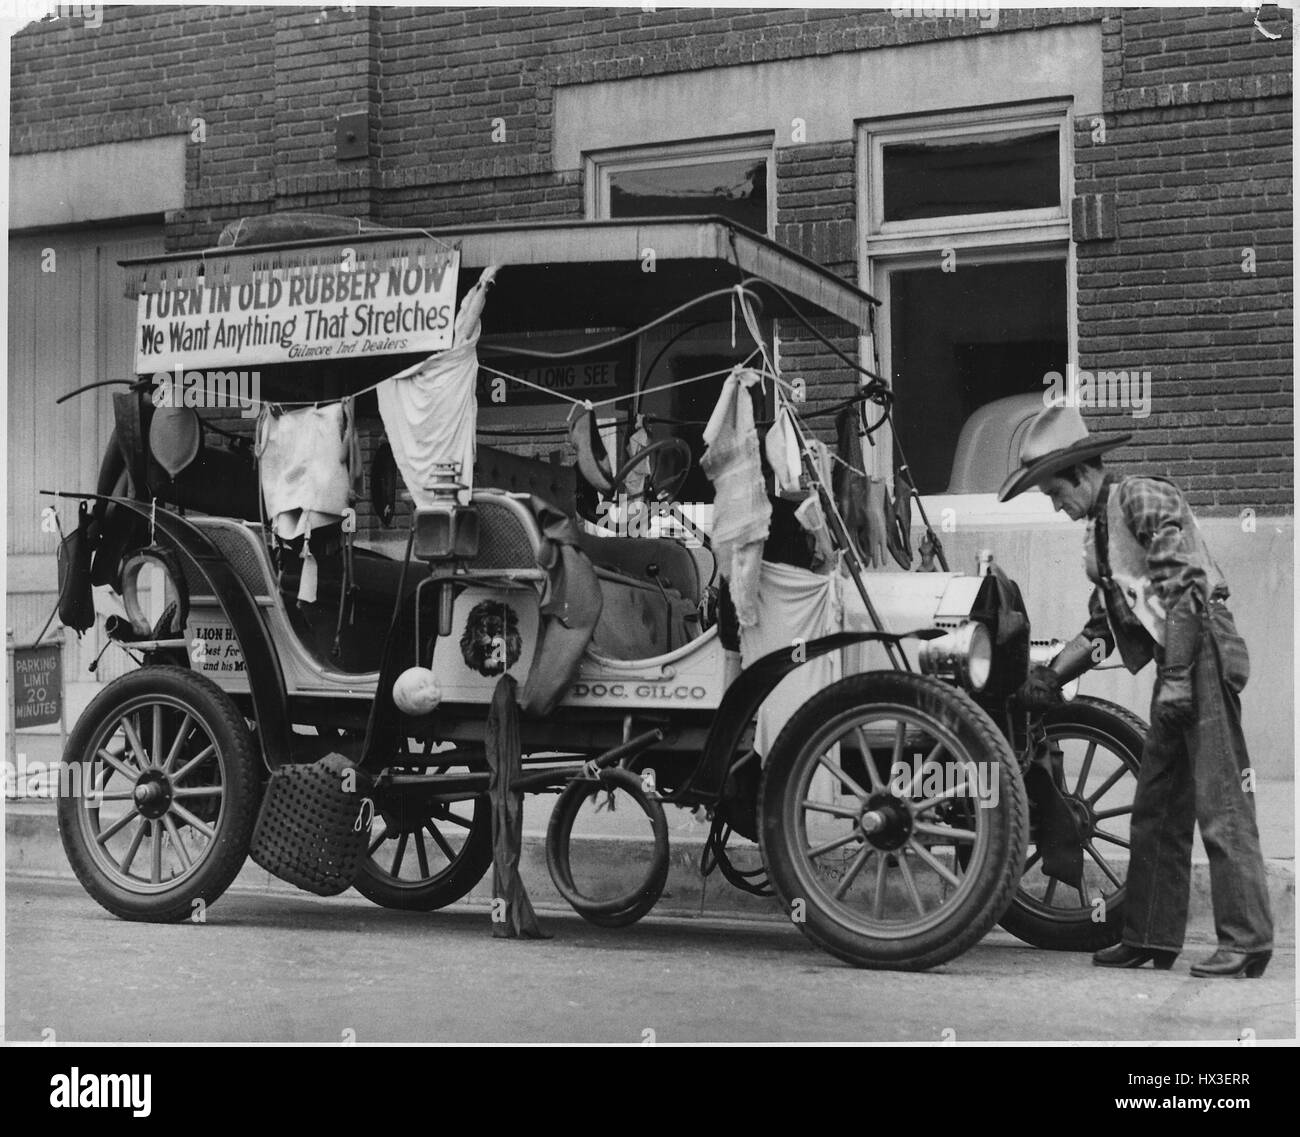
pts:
[963, 655]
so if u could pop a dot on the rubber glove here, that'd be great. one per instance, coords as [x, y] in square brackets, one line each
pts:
[1041, 691]
[874, 540]
[900, 528]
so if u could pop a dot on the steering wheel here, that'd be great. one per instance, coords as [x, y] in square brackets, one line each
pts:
[665, 491]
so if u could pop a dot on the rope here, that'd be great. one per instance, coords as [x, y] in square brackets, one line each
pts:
[53, 612]
[537, 353]
[847, 465]
[592, 404]
[679, 382]
[534, 386]
[807, 324]
[833, 409]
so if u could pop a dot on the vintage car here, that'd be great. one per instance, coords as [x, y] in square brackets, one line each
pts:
[902, 804]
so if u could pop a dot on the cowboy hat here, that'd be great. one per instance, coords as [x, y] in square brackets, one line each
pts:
[1055, 441]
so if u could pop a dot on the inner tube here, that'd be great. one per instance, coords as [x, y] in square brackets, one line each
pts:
[628, 906]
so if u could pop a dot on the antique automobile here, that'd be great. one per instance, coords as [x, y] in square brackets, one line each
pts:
[870, 768]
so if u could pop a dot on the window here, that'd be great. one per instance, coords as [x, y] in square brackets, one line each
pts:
[976, 340]
[728, 177]
[965, 225]
[1001, 173]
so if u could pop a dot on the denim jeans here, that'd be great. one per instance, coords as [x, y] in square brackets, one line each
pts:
[1195, 776]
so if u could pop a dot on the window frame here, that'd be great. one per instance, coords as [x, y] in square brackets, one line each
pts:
[977, 238]
[874, 136]
[600, 164]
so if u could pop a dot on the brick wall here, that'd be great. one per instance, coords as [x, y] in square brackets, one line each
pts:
[147, 72]
[1196, 163]
[1197, 155]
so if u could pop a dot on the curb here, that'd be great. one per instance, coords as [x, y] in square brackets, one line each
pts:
[34, 849]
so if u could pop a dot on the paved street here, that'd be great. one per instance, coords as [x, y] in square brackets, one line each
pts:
[291, 968]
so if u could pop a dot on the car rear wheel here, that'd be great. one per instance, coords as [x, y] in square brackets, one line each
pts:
[425, 851]
[1101, 751]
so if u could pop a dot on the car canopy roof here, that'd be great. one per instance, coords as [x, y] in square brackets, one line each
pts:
[565, 275]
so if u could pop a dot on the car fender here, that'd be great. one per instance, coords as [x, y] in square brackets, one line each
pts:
[743, 698]
[262, 661]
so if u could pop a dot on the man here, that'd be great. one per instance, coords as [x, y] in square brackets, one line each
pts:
[1160, 595]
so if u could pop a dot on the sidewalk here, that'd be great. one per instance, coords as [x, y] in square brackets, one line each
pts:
[33, 848]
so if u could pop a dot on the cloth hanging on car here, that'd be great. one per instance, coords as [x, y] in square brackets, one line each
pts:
[811, 515]
[782, 449]
[635, 482]
[310, 463]
[741, 512]
[794, 607]
[430, 411]
[512, 912]
[879, 524]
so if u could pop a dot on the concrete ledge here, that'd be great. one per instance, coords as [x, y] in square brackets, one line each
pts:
[34, 849]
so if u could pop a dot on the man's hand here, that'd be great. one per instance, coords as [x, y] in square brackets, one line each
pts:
[1041, 691]
[1175, 705]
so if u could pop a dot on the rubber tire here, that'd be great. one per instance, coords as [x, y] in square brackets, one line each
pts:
[1080, 933]
[243, 776]
[446, 887]
[605, 914]
[976, 914]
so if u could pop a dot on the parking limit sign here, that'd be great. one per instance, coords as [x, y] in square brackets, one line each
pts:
[37, 685]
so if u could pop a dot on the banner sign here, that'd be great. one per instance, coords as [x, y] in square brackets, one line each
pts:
[277, 309]
[37, 685]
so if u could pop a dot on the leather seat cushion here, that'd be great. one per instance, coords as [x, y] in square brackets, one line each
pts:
[634, 619]
[631, 555]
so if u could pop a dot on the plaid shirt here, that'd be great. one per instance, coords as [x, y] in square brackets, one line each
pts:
[1157, 514]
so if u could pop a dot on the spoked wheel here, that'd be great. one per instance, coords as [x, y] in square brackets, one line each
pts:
[425, 851]
[893, 821]
[1101, 746]
[163, 785]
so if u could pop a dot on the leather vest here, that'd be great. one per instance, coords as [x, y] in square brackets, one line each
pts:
[1128, 565]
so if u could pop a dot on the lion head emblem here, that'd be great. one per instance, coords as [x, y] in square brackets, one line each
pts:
[491, 643]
